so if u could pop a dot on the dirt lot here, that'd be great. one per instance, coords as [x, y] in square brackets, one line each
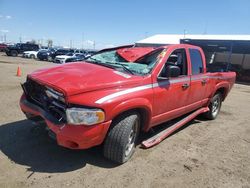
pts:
[204, 154]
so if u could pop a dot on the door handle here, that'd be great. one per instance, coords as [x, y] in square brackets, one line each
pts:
[203, 82]
[185, 86]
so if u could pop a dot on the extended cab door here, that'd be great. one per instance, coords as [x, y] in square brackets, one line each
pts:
[198, 78]
[171, 93]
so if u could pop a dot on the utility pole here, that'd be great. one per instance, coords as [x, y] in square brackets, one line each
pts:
[185, 32]
[82, 40]
[94, 45]
[70, 43]
[20, 38]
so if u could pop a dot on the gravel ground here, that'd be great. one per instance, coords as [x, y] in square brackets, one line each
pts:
[203, 154]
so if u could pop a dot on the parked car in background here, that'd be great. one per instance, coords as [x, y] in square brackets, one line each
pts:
[75, 58]
[3, 47]
[19, 48]
[30, 54]
[60, 51]
[45, 54]
[89, 53]
[62, 58]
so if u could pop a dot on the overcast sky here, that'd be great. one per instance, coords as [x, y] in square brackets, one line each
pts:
[114, 22]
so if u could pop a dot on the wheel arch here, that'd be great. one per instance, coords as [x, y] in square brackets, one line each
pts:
[222, 88]
[13, 51]
[139, 105]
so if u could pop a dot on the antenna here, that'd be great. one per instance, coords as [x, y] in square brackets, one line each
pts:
[185, 32]
[205, 29]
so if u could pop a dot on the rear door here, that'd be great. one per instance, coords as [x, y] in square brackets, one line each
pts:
[198, 78]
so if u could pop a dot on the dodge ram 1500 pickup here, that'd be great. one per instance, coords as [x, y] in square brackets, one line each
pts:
[116, 94]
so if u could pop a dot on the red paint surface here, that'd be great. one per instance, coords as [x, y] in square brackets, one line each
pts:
[132, 54]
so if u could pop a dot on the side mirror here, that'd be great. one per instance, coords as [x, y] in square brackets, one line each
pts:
[173, 71]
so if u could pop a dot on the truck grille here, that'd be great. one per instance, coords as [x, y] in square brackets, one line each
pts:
[35, 93]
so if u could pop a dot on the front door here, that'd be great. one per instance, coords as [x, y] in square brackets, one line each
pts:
[171, 94]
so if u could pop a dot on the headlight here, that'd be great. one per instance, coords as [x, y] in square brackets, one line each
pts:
[83, 116]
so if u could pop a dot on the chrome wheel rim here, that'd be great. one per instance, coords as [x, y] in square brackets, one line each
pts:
[215, 106]
[131, 139]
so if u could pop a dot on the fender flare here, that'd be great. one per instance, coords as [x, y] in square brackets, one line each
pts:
[135, 103]
[225, 85]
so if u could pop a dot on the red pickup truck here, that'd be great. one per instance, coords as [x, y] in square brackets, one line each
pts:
[116, 94]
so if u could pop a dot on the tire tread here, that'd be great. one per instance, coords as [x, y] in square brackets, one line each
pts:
[116, 140]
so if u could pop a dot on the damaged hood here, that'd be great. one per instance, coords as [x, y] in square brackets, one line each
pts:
[76, 78]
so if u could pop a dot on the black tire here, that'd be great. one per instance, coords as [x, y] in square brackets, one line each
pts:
[14, 53]
[120, 142]
[214, 107]
[32, 56]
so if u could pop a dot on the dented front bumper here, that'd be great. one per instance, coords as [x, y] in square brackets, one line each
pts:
[69, 136]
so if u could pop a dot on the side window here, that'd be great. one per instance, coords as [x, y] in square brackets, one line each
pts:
[23, 46]
[196, 61]
[178, 58]
[33, 47]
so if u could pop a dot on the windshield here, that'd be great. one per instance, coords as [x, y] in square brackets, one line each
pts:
[112, 59]
[17, 45]
[69, 54]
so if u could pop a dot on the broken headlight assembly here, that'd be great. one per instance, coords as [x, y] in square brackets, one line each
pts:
[51, 93]
[84, 116]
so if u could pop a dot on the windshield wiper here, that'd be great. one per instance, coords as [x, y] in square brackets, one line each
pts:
[94, 60]
[126, 69]
[118, 65]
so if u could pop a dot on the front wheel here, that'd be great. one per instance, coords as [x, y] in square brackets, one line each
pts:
[32, 56]
[120, 143]
[214, 107]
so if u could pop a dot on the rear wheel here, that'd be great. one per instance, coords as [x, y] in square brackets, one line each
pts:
[120, 143]
[13, 53]
[214, 107]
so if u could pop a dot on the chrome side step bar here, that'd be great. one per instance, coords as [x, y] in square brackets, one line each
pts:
[156, 139]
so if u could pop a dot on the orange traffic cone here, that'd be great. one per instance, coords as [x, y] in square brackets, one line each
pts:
[18, 72]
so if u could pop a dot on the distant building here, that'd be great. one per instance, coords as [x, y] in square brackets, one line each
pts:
[228, 51]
